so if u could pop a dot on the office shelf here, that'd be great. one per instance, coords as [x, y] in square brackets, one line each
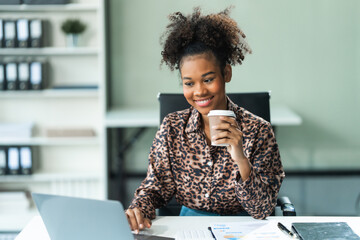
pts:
[49, 177]
[51, 93]
[50, 141]
[50, 51]
[73, 7]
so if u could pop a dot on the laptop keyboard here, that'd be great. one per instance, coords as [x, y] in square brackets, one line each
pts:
[8, 235]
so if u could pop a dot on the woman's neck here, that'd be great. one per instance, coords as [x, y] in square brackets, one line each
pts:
[205, 127]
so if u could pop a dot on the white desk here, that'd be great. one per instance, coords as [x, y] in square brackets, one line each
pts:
[281, 115]
[168, 226]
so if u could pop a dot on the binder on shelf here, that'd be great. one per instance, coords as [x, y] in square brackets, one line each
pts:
[1, 33]
[36, 33]
[13, 160]
[2, 76]
[11, 76]
[37, 75]
[26, 160]
[10, 33]
[24, 75]
[23, 33]
[3, 161]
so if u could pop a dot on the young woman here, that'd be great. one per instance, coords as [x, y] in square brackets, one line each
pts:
[244, 176]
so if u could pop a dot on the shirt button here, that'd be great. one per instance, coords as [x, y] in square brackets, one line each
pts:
[206, 195]
[210, 163]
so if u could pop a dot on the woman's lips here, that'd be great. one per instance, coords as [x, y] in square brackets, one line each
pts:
[203, 102]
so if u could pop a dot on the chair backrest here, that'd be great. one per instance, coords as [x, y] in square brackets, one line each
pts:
[256, 102]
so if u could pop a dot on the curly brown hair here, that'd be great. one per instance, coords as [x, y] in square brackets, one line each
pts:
[197, 34]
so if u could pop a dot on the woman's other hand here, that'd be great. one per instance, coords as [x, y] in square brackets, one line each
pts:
[230, 133]
[136, 220]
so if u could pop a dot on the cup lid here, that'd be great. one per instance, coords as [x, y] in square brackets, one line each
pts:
[227, 113]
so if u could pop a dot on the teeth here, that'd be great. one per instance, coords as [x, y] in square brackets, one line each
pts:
[203, 101]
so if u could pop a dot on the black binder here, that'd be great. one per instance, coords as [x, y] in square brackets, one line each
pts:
[37, 74]
[3, 161]
[24, 75]
[36, 33]
[23, 33]
[2, 76]
[26, 160]
[11, 76]
[10, 33]
[324, 231]
[1, 33]
[13, 160]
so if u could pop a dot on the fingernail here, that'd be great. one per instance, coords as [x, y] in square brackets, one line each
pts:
[141, 226]
[137, 231]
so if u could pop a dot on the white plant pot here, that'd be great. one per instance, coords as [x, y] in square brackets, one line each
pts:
[72, 40]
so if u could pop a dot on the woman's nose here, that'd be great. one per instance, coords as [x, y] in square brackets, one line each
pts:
[200, 90]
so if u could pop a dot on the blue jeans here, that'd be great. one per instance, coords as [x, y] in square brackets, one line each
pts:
[185, 211]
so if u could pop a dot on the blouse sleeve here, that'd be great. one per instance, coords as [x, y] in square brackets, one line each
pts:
[258, 194]
[158, 187]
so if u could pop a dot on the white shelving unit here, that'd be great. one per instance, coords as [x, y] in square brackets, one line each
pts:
[73, 166]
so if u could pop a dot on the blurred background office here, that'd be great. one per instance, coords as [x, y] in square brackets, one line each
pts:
[306, 53]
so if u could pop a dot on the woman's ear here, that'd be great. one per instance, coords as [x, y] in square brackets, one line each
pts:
[227, 73]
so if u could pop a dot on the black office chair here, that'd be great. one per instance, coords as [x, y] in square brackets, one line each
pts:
[258, 103]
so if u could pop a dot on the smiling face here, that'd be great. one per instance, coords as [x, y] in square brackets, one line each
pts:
[203, 83]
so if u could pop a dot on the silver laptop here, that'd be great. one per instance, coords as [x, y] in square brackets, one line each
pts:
[70, 218]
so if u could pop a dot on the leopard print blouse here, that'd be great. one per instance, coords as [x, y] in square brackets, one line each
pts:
[204, 177]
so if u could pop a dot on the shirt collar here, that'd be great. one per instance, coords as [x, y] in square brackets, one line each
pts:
[194, 122]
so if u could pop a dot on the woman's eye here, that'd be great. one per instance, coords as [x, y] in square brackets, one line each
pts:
[188, 84]
[208, 80]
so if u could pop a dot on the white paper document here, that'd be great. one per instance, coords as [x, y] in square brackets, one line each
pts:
[246, 230]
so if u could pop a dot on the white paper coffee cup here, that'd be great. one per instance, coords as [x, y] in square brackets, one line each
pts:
[214, 119]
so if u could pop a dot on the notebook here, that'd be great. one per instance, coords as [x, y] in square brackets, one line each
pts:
[324, 231]
[73, 218]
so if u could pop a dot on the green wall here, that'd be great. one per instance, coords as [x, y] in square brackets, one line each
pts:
[306, 52]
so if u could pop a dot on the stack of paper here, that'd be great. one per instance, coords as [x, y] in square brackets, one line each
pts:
[70, 132]
[16, 130]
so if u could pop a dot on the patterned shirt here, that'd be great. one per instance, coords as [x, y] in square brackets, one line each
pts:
[204, 177]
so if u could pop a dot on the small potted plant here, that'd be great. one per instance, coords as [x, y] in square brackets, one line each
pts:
[73, 28]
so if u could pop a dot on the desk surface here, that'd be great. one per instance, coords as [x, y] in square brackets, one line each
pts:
[168, 226]
[281, 115]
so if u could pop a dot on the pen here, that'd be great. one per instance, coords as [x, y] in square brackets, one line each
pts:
[211, 232]
[286, 231]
